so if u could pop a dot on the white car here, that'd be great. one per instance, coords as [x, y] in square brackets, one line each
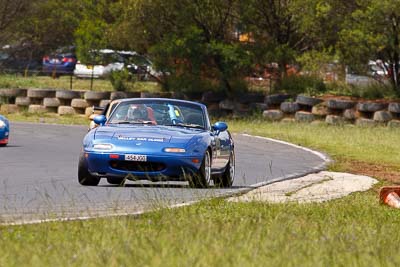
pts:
[107, 61]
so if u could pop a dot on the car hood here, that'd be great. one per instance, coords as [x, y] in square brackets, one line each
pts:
[146, 133]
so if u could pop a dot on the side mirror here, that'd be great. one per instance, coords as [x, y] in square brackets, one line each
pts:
[220, 126]
[100, 120]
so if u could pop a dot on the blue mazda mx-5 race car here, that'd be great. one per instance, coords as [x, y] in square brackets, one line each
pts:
[159, 140]
[4, 131]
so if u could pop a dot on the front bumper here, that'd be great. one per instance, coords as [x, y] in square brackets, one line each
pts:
[157, 167]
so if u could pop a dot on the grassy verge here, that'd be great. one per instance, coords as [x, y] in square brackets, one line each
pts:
[49, 118]
[364, 150]
[353, 231]
[64, 82]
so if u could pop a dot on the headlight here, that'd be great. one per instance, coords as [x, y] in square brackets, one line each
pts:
[174, 150]
[102, 146]
[2, 124]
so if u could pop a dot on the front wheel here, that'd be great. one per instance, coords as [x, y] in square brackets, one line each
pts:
[202, 179]
[84, 177]
[227, 178]
[114, 180]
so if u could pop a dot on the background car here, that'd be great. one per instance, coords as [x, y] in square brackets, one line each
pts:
[104, 62]
[138, 65]
[59, 63]
[158, 139]
[4, 131]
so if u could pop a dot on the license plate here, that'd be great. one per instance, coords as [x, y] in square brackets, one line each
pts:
[135, 157]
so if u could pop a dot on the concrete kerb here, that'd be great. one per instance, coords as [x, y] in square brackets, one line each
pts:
[230, 193]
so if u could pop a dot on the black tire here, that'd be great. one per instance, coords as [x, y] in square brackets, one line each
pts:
[65, 94]
[84, 177]
[227, 178]
[40, 93]
[94, 95]
[202, 179]
[307, 100]
[394, 107]
[115, 180]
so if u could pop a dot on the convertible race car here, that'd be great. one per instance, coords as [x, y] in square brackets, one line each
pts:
[159, 140]
[4, 131]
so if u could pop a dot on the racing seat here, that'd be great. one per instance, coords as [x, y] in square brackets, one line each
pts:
[150, 115]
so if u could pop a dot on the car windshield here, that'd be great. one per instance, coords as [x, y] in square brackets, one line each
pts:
[159, 112]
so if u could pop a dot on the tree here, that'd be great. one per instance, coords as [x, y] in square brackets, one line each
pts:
[372, 32]
[42, 26]
[11, 11]
[275, 29]
[188, 39]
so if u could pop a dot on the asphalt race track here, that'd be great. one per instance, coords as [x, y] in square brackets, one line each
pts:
[38, 176]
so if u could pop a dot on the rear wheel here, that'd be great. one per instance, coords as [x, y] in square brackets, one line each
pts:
[226, 179]
[202, 179]
[84, 177]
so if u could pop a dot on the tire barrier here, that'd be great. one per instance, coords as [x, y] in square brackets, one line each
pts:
[37, 109]
[340, 104]
[79, 103]
[273, 115]
[13, 92]
[304, 116]
[308, 101]
[276, 107]
[104, 103]
[96, 96]
[276, 99]
[51, 102]
[66, 94]
[320, 110]
[118, 95]
[290, 107]
[40, 93]
[23, 101]
[371, 106]
[65, 110]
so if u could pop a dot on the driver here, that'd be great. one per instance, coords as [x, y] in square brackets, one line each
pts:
[140, 113]
[137, 112]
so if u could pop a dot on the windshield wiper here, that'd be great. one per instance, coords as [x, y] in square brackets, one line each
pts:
[196, 126]
[134, 122]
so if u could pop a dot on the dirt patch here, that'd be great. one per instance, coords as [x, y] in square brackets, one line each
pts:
[381, 171]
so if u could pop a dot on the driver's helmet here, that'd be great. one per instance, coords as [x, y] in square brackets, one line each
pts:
[137, 112]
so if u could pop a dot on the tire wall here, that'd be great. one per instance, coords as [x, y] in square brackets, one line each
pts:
[276, 107]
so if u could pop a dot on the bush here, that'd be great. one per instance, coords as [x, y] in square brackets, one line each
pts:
[190, 84]
[371, 91]
[308, 85]
[121, 80]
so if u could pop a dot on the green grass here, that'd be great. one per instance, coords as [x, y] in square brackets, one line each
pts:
[49, 118]
[352, 231]
[368, 144]
[64, 82]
